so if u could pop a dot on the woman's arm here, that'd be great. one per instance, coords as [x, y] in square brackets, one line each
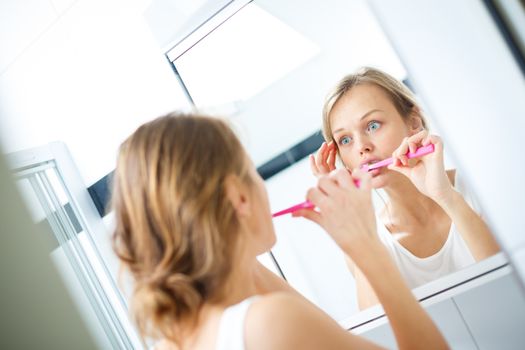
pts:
[346, 213]
[366, 297]
[430, 178]
[470, 225]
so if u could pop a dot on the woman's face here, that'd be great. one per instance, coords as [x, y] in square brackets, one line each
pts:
[367, 128]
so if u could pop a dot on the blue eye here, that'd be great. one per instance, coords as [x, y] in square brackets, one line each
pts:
[373, 126]
[345, 140]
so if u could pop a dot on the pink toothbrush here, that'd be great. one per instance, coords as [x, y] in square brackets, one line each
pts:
[303, 205]
[421, 151]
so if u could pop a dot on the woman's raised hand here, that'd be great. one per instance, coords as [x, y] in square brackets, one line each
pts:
[324, 161]
[345, 211]
[427, 173]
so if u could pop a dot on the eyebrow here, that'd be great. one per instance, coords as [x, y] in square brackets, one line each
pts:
[363, 117]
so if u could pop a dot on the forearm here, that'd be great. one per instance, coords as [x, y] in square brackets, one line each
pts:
[472, 228]
[366, 296]
[412, 326]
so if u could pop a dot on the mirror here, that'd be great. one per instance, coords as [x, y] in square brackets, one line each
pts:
[269, 68]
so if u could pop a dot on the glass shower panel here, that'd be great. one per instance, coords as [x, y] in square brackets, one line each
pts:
[50, 202]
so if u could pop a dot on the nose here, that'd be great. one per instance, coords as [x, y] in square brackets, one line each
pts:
[364, 146]
[365, 149]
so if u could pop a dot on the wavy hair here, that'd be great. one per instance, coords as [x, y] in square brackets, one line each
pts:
[175, 227]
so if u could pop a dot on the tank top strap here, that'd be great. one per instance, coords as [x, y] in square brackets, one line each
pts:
[231, 327]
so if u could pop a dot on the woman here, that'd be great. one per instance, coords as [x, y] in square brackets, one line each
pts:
[427, 223]
[192, 214]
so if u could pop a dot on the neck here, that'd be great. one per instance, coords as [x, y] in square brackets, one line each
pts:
[241, 283]
[406, 206]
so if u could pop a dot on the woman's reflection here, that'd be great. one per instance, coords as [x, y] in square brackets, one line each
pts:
[430, 221]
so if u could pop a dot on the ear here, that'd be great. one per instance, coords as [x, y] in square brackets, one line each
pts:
[415, 122]
[238, 195]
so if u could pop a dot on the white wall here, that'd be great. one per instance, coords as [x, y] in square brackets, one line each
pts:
[86, 72]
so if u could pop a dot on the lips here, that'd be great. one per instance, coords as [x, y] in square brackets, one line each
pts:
[368, 162]
[371, 161]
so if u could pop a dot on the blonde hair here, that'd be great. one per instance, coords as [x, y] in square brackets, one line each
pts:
[402, 98]
[175, 227]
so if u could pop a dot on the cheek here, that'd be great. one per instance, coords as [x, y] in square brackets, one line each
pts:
[393, 140]
[349, 159]
[266, 237]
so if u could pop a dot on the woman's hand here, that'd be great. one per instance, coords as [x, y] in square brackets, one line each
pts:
[324, 161]
[427, 173]
[345, 211]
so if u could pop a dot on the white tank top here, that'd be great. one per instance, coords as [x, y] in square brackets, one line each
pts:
[231, 327]
[453, 256]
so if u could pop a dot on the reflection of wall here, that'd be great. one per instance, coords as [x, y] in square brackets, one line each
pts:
[310, 260]
[464, 72]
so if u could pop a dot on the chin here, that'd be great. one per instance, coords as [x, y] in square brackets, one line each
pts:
[379, 181]
[384, 178]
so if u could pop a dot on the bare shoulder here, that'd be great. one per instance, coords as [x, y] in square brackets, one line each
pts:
[283, 320]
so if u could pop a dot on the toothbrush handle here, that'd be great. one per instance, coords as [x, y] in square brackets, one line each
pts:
[303, 205]
[421, 151]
